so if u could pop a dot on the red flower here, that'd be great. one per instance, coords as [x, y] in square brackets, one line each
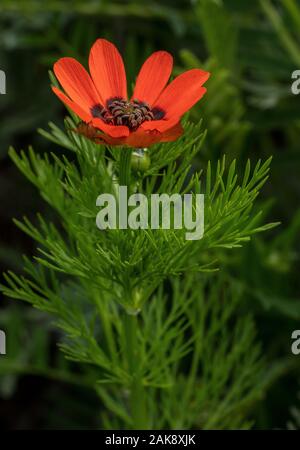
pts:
[151, 115]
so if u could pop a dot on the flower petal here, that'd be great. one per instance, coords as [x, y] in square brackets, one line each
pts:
[76, 108]
[182, 93]
[153, 77]
[116, 131]
[137, 139]
[106, 139]
[76, 82]
[112, 141]
[160, 125]
[173, 133]
[141, 138]
[107, 70]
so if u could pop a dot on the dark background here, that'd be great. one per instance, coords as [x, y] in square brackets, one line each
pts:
[251, 48]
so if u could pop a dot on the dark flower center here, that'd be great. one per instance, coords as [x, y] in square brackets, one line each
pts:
[122, 112]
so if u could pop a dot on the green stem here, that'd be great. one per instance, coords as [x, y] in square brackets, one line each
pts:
[125, 167]
[137, 389]
[132, 351]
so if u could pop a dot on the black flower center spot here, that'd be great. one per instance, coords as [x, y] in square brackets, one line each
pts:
[122, 112]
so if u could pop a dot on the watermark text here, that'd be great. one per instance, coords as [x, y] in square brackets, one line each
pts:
[158, 211]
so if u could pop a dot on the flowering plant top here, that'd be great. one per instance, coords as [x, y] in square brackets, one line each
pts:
[100, 99]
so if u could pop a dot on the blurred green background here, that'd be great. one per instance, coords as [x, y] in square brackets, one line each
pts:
[251, 49]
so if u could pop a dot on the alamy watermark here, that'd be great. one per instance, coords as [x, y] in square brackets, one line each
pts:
[2, 343]
[159, 211]
[295, 347]
[2, 82]
[295, 87]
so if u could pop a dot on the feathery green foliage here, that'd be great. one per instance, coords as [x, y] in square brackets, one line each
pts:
[104, 287]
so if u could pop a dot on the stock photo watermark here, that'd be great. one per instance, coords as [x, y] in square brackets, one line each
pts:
[166, 212]
[295, 87]
[2, 82]
[2, 343]
[295, 347]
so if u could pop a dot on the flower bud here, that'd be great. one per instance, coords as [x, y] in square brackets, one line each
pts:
[140, 160]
